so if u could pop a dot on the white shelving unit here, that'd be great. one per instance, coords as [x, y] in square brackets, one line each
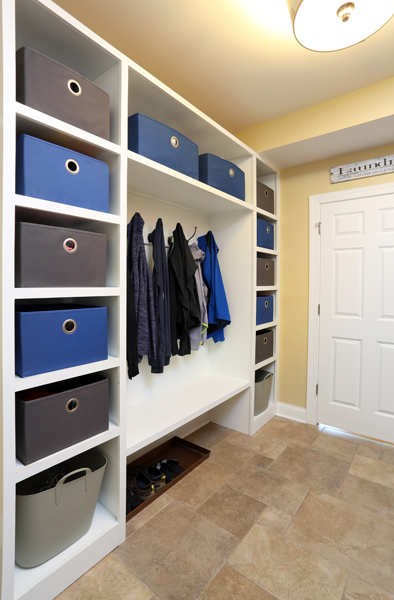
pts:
[218, 380]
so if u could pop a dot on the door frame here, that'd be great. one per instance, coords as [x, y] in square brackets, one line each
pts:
[315, 203]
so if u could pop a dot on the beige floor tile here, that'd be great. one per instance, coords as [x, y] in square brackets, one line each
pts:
[348, 535]
[373, 470]
[335, 447]
[177, 553]
[311, 468]
[209, 435]
[200, 484]
[231, 585]
[387, 453]
[289, 431]
[232, 510]
[265, 445]
[107, 580]
[356, 589]
[147, 513]
[281, 494]
[286, 570]
[260, 461]
[375, 497]
[370, 451]
[229, 456]
[273, 521]
[351, 437]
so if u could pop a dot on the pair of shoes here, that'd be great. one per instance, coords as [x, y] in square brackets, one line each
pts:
[139, 484]
[132, 500]
[156, 478]
[170, 468]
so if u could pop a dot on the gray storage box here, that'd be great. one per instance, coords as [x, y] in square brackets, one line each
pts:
[264, 345]
[59, 415]
[48, 256]
[262, 391]
[49, 520]
[60, 92]
[265, 271]
[265, 198]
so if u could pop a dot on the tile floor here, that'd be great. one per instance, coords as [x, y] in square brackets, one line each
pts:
[296, 512]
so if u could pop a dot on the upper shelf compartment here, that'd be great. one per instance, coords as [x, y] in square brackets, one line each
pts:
[43, 31]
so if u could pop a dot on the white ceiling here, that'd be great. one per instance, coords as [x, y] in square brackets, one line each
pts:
[236, 60]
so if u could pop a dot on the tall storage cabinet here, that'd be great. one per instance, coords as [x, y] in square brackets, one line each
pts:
[218, 380]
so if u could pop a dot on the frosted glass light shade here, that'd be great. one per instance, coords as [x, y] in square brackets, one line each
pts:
[317, 25]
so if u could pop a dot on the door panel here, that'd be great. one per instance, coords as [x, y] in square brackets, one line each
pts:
[356, 348]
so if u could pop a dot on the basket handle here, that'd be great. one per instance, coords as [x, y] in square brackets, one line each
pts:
[59, 484]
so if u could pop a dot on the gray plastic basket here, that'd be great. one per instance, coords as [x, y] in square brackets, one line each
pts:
[49, 521]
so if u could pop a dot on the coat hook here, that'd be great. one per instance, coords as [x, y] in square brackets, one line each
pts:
[192, 236]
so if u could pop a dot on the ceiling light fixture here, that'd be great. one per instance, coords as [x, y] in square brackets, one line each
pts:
[327, 25]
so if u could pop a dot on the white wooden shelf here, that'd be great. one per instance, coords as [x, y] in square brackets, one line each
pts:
[261, 250]
[66, 214]
[36, 293]
[24, 471]
[270, 360]
[149, 178]
[266, 214]
[25, 383]
[266, 288]
[149, 419]
[266, 325]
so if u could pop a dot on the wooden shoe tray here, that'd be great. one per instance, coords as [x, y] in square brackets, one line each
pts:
[188, 455]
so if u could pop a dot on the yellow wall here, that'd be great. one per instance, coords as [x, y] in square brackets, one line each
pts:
[373, 102]
[296, 185]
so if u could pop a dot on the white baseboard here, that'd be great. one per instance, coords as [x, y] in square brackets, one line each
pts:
[288, 411]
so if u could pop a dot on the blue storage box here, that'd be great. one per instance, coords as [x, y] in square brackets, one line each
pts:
[166, 146]
[51, 172]
[265, 234]
[222, 174]
[264, 309]
[51, 337]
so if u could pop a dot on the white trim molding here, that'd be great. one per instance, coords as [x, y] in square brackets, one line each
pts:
[315, 203]
[288, 411]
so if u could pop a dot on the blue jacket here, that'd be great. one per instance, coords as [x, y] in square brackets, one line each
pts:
[218, 312]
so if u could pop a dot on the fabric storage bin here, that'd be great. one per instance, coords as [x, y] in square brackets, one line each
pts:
[55, 173]
[262, 391]
[265, 234]
[222, 175]
[265, 197]
[51, 337]
[50, 519]
[264, 345]
[162, 144]
[265, 271]
[264, 309]
[59, 415]
[48, 256]
[60, 92]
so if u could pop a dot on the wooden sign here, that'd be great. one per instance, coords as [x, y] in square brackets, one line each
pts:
[364, 168]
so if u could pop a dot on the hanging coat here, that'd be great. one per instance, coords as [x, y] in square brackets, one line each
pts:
[198, 335]
[218, 312]
[184, 304]
[162, 300]
[140, 284]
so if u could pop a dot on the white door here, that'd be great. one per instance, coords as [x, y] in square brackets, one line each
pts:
[356, 346]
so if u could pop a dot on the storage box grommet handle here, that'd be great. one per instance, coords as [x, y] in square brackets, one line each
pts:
[72, 166]
[266, 304]
[174, 141]
[231, 172]
[72, 405]
[268, 229]
[70, 245]
[58, 489]
[267, 266]
[266, 192]
[74, 87]
[265, 340]
[69, 326]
